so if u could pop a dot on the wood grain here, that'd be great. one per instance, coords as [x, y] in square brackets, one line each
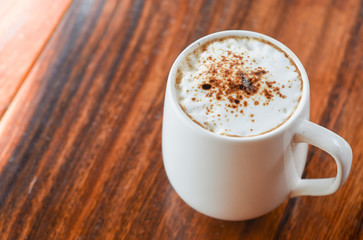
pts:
[81, 141]
[25, 27]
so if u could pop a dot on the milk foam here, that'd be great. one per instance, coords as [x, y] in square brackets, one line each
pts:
[238, 86]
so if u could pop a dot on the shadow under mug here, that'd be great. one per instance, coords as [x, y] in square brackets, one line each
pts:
[238, 178]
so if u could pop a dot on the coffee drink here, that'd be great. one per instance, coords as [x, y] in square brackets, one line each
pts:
[254, 91]
[238, 86]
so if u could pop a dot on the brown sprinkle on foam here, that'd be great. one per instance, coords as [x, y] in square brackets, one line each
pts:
[229, 78]
[226, 78]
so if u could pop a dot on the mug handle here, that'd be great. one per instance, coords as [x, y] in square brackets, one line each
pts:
[331, 143]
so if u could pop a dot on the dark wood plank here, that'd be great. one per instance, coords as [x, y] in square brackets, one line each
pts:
[81, 142]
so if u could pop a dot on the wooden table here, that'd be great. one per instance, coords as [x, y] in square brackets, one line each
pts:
[81, 99]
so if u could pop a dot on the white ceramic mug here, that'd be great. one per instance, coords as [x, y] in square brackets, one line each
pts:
[237, 178]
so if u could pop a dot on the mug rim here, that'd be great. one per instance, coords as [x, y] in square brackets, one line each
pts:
[239, 33]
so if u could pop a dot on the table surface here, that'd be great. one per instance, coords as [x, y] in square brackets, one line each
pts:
[81, 98]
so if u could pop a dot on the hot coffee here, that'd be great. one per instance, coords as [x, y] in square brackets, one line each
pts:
[242, 83]
[238, 86]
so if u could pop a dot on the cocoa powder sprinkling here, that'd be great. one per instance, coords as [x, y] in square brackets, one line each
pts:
[227, 78]
[228, 84]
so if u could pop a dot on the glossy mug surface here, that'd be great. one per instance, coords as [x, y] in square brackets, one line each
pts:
[238, 178]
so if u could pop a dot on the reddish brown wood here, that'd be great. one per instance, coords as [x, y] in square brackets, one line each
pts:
[81, 142]
[25, 27]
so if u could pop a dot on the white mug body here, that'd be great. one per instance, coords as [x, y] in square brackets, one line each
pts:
[232, 178]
